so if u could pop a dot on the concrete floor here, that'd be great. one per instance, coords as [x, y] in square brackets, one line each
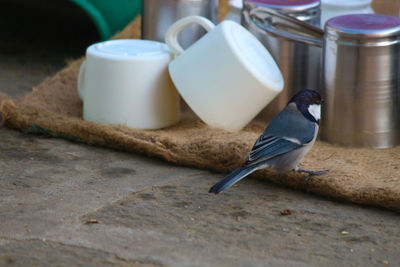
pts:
[67, 204]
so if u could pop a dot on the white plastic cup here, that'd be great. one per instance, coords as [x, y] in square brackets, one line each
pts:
[127, 82]
[227, 77]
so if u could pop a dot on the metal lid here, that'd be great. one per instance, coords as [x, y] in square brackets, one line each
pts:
[287, 5]
[363, 26]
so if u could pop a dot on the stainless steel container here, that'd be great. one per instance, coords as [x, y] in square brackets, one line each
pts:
[361, 81]
[294, 40]
[299, 60]
[158, 15]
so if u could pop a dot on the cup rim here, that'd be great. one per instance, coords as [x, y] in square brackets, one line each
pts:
[158, 50]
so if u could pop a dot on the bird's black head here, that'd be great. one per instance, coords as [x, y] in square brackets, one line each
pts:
[308, 102]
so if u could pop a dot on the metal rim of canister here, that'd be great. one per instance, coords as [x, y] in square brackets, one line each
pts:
[262, 19]
[305, 13]
[286, 8]
[376, 37]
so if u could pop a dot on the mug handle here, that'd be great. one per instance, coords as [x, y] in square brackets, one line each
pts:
[81, 76]
[171, 37]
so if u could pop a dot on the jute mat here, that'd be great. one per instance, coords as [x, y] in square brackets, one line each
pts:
[365, 176]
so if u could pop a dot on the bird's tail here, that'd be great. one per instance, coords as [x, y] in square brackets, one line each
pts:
[231, 179]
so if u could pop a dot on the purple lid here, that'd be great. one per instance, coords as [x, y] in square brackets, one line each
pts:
[284, 3]
[371, 25]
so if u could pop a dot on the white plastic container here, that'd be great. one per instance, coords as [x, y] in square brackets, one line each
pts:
[127, 82]
[227, 77]
[236, 10]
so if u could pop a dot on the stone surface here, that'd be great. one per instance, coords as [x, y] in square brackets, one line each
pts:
[68, 204]
[47, 253]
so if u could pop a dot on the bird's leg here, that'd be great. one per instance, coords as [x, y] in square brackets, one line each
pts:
[311, 173]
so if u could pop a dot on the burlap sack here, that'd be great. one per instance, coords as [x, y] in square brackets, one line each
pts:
[364, 176]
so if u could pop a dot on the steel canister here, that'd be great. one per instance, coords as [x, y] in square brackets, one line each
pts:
[158, 15]
[289, 30]
[361, 81]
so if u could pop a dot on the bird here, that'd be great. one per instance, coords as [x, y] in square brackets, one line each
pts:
[285, 141]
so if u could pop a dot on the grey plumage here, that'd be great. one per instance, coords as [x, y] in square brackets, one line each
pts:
[283, 144]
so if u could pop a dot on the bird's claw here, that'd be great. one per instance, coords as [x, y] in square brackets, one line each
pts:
[311, 173]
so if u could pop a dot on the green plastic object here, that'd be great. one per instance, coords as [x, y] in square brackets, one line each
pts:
[110, 16]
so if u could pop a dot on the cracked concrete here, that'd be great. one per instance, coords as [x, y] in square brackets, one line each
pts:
[149, 212]
[47, 253]
[68, 204]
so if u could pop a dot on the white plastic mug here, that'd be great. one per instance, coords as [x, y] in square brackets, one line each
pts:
[127, 82]
[227, 77]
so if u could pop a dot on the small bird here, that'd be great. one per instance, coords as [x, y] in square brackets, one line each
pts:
[285, 141]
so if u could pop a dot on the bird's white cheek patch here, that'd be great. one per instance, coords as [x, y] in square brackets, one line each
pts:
[315, 111]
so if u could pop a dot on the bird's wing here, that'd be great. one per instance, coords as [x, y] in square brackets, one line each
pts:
[267, 147]
[288, 131]
[292, 125]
